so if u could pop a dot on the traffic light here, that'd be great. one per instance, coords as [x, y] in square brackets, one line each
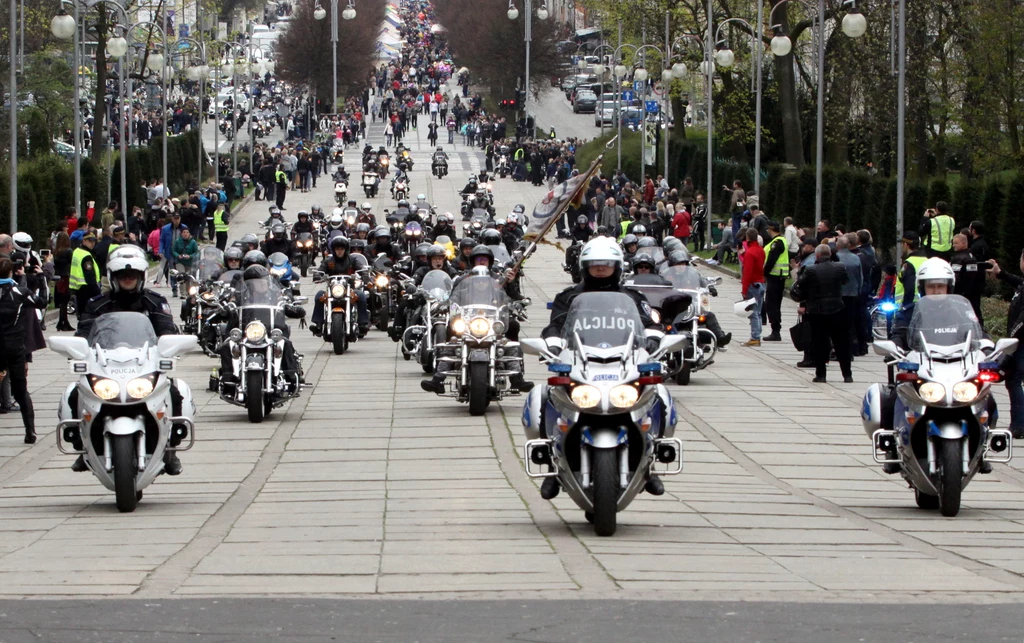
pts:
[520, 99]
[508, 104]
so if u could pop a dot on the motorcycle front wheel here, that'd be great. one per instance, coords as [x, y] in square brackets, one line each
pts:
[125, 468]
[339, 339]
[254, 396]
[605, 470]
[478, 398]
[950, 454]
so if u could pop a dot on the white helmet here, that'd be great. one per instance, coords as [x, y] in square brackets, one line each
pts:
[338, 211]
[744, 307]
[22, 241]
[366, 207]
[124, 258]
[601, 251]
[935, 269]
[512, 217]
[421, 197]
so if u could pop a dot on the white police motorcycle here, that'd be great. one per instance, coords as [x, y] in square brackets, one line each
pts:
[943, 416]
[604, 418]
[120, 419]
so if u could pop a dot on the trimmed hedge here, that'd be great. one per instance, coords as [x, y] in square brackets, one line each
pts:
[46, 183]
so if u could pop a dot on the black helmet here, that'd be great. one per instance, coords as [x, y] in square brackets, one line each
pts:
[382, 234]
[255, 272]
[351, 203]
[646, 242]
[677, 257]
[302, 213]
[422, 250]
[250, 239]
[644, 259]
[436, 251]
[278, 230]
[403, 204]
[629, 240]
[317, 210]
[254, 258]
[444, 217]
[467, 242]
[582, 219]
[357, 245]
[519, 209]
[639, 230]
[233, 254]
[339, 242]
[363, 227]
[602, 230]
[490, 237]
[481, 251]
[671, 244]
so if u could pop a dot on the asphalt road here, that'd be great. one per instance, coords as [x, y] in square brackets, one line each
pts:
[780, 527]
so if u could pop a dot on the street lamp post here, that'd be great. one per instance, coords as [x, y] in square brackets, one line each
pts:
[618, 73]
[542, 14]
[854, 25]
[319, 13]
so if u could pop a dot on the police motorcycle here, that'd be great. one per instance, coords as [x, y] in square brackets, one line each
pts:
[700, 350]
[429, 325]
[478, 359]
[123, 424]
[257, 347]
[940, 399]
[504, 165]
[341, 323]
[604, 418]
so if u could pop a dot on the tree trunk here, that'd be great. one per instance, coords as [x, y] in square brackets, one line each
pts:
[792, 136]
[99, 109]
[679, 110]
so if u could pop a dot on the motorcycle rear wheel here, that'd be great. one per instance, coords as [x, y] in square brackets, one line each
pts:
[606, 490]
[125, 468]
[254, 396]
[950, 477]
[478, 398]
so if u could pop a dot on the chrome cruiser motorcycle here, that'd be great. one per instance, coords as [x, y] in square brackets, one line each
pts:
[340, 326]
[700, 351]
[478, 359]
[119, 414]
[604, 418]
[935, 421]
[430, 321]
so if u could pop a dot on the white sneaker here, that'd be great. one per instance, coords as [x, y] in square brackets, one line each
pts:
[711, 262]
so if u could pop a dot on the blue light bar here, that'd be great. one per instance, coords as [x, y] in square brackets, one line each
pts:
[652, 367]
[908, 366]
[560, 368]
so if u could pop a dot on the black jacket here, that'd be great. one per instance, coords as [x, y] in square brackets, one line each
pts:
[444, 231]
[422, 272]
[819, 288]
[1015, 314]
[149, 303]
[980, 250]
[15, 303]
[332, 266]
[563, 301]
[272, 245]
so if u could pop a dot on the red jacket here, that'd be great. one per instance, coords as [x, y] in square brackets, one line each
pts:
[681, 224]
[753, 267]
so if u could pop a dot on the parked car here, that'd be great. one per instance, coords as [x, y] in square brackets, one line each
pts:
[569, 84]
[604, 113]
[586, 101]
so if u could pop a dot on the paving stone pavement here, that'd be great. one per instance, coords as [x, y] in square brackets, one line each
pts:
[368, 487]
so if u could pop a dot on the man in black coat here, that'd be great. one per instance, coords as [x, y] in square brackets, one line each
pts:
[819, 291]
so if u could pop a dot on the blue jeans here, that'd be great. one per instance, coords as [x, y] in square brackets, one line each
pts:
[1015, 387]
[756, 291]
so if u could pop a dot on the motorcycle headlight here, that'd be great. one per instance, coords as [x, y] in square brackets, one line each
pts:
[480, 327]
[255, 331]
[931, 392]
[309, 244]
[208, 296]
[140, 387]
[965, 391]
[277, 272]
[705, 303]
[193, 290]
[655, 316]
[623, 396]
[586, 396]
[458, 325]
[106, 389]
[337, 291]
[358, 283]
[382, 281]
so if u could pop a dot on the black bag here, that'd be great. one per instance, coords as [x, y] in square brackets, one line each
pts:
[801, 335]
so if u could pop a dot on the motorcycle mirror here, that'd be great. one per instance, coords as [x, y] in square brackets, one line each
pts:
[300, 300]
[174, 345]
[1006, 346]
[70, 347]
[886, 348]
[535, 346]
[669, 344]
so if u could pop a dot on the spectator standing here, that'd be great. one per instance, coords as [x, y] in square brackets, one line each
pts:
[1014, 328]
[852, 287]
[16, 303]
[819, 291]
[752, 284]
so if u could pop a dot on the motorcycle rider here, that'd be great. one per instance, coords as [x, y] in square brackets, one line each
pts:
[462, 262]
[444, 228]
[601, 263]
[470, 188]
[362, 231]
[126, 272]
[581, 231]
[339, 262]
[482, 260]
[303, 224]
[382, 245]
[481, 202]
[405, 213]
[366, 216]
[439, 159]
[422, 205]
[277, 241]
[249, 242]
[436, 260]
[681, 257]
[275, 217]
[630, 245]
[400, 175]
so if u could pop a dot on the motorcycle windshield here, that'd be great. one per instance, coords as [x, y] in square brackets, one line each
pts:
[121, 330]
[382, 263]
[501, 255]
[943, 321]
[437, 284]
[682, 277]
[657, 253]
[479, 214]
[603, 320]
[262, 293]
[359, 261]
[481, 296]
[413, 229]
[211, 263]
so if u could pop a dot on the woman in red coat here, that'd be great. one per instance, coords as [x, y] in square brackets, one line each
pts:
[649, 191]
[681, 225]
